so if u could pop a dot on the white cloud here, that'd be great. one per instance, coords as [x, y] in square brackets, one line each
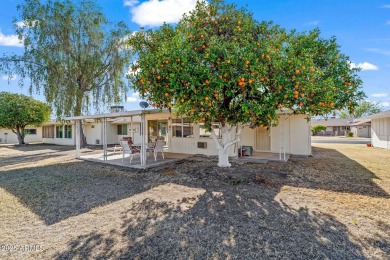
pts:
[385, 6]
[379, 95]
[156, 12]
[364, 66]
[312, 23]
[10, 40]
[134, 97]
[10, 78]
[380, 51]
[385, 104]
[20, 24]
[26, 23]
[130, 3]
[388, 22]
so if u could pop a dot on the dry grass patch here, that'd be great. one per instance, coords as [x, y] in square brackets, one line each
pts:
[334, 205]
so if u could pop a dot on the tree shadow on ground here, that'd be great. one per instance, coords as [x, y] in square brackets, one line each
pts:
[57, 192]
[219, 225]
[331, 170]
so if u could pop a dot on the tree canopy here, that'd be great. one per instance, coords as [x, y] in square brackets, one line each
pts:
[17, 111]
[71, 53]
[364, 108]
[220, 65]
[317, 128]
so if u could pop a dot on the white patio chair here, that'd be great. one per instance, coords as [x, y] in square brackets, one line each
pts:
[126, 149]
[150, 148]
[159, 148]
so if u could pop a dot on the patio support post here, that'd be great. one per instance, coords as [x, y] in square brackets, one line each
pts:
[131, 128]
[77, 136]
[280, 141]
[143, 135]
[284, 137]
[104, 139]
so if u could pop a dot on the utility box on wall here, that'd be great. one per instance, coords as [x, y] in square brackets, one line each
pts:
[202, 145]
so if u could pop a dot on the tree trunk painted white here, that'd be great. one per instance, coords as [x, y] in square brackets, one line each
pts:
[225, 143]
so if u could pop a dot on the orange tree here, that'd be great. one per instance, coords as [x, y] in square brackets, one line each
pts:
[220, 65]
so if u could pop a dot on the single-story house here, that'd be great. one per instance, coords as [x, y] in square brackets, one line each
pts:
[291, 136]
[361, 127]
[380, 129]
[33, 134]
[334, 126]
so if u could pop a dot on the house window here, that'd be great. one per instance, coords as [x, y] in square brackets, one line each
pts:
[182, 127]
[203, 132]
[48, 132]
[122, 129]
[68, 131]
[30, 131]
[59, 131]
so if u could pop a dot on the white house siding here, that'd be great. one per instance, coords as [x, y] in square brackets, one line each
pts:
[380, 134]
[93, 133]
[280, 135]
[9, 137]
[361, 131]
[293, 132]
[136, 135]
[300, 141]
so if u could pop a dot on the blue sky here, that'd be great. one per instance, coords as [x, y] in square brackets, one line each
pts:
[362, 28]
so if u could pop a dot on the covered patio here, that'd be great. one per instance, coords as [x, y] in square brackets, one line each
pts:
[107, 155]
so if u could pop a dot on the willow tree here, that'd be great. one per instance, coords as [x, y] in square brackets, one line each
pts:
[18, 111]
[220, 65]
[72, 54]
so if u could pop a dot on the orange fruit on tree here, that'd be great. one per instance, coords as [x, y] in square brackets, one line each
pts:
[158, 77]
[297, 71]
[167, 94]
[206, 98]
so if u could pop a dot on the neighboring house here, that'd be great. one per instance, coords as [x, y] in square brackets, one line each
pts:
[361, 127]
[34, 134]
[334, 126]
[291, 136]
[380, 129]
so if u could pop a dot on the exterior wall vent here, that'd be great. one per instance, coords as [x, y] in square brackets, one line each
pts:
[202, 145]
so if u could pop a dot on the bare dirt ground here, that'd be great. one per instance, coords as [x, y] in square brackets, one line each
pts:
[335, 205]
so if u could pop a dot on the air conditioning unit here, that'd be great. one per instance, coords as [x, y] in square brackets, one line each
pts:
[202, 145]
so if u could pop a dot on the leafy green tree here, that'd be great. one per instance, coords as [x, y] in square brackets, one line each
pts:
[364, 108]
[17, 111]
[317, 128]
[72, 54]
[220, 65]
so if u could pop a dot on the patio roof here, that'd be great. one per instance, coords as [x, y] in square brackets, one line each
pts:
[117, 114]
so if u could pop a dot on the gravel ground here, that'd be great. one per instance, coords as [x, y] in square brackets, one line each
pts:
[334, 205]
